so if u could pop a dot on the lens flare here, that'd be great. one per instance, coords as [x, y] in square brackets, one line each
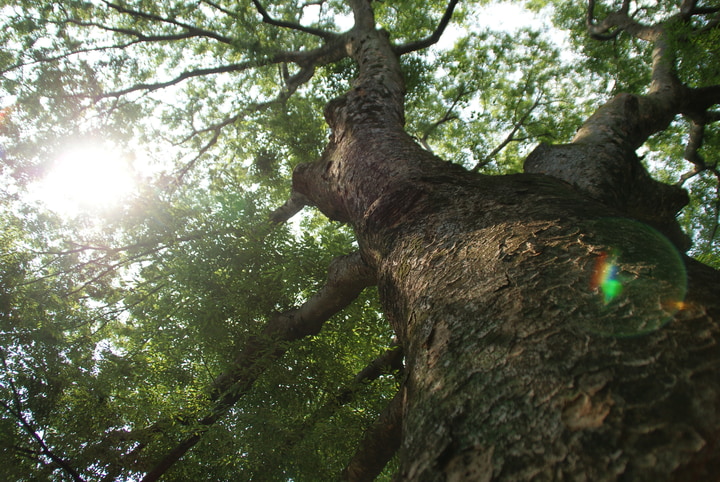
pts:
[605, 277]
[637, 279]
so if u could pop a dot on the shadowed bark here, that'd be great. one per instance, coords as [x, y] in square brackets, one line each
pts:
[520, 362]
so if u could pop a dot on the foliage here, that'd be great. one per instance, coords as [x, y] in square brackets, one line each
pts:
[113, 326]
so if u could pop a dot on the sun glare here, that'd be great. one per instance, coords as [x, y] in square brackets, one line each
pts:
[86, 178]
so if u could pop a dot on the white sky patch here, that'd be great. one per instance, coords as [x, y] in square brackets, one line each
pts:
[508, 17]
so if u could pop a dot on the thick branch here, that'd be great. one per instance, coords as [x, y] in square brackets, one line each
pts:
[689, 8]
[695, 142]
[380, 443]
[599, 31]
[698, 101]
[292, 206]
[347, 277]
[434, 37]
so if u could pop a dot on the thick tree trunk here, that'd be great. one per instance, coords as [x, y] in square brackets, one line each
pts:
[519, 366]
[545, 332]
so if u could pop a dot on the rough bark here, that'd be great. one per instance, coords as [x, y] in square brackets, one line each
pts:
[520, 361]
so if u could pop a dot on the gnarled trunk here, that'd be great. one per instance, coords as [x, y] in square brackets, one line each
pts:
[545, 331]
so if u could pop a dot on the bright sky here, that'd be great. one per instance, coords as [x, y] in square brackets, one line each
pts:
[86, 177]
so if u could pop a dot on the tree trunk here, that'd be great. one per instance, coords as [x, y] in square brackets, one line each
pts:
[546, 333]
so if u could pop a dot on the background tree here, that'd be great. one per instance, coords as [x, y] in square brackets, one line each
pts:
[544, 328]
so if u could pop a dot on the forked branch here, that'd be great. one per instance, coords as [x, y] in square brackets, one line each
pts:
[603, 30]
[616, 22]
[511, 137]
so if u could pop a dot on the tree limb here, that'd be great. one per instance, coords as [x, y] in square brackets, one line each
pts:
[220, 8]
[508, 139]
[600, 31]
[716, 220]
[689, 8]
[380, 443]
[293, 83]
[66, 55]
[434, 37]
[157, 18]
[16, 412]
[292, 206]
[135, 33]
[347, 277]
[447, 117]
[619, 21]
[695, 142]
[391, 360]
[698, 100]
[188, 74]
[291, 25]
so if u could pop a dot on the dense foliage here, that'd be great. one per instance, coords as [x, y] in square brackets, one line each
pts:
[114, 323]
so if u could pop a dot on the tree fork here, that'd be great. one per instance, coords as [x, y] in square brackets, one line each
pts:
[519, 363]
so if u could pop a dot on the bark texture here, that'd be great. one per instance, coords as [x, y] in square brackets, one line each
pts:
[522, 359]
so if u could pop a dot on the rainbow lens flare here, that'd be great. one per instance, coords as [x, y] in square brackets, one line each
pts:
[637, 279]
[605, 277]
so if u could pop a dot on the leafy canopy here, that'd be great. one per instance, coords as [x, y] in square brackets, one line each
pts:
[115, 324]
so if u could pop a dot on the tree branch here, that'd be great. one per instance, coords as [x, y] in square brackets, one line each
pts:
[619, 21]
[291, 25]
[66, 55]
[347, 277]
[188, 74]
[220, 8]
[380, 443]
[508, 139]
[292, 206]
[141, 37]
[716, 219]
[157, 18]
[434, 37]
[689, 8]
[698, 100]
[447, 117]
[695, 142]
[391, 360]
[17, 413]
[600, 31]
[293, 83]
